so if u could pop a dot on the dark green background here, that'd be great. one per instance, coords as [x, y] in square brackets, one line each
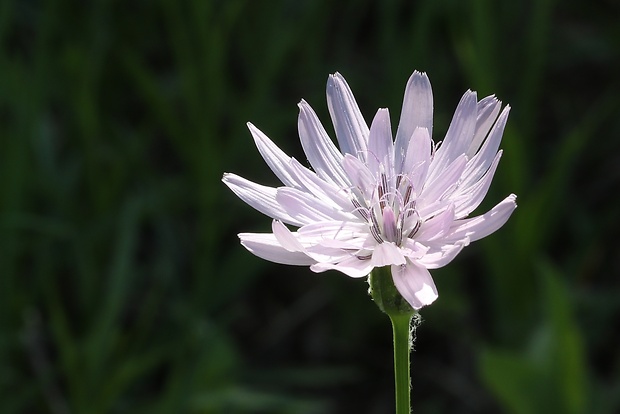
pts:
[123, 288]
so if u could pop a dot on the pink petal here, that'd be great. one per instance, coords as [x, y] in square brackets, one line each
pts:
[480, 163]
[380, 145]
[415, 284]
[476, 228]
[351, 266]
[418, 158]
[417, 112]
[319, 148]
[286, 238]
[351, 128]
[318, 187]
[467, 200]
[266, 246]
[436, 227]
[386, 254]
[360, 175]
[443, 183]
[275, 158]
[307, 209]
[440, 254]
[260, 197]
[488, 108]
[459, 135]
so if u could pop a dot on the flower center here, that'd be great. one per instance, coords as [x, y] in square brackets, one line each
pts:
[390, 213]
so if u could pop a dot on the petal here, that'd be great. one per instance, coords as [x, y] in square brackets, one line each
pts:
[487, 111]
[357, 245]
[444, 183]
[380, 145]
[351, 266]
[360, 175]
[415, 284]
[318, 187]
[319, 148]
[386, 254]
[351, 128]
[260, 197]
[440, 253]
[266, 246]
[335, 230]
[459, 135]
[476, 228]
[286, 238]
[413, 249]
[306, 209]
[418, 157]
[436, 227]
[467, 200]
[275, 158]
[417, 112]
[480, 163]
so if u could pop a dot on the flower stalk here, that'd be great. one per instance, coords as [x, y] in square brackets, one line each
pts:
[401, 333]
[390, 301]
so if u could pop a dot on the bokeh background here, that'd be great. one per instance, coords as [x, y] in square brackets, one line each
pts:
[123, 288]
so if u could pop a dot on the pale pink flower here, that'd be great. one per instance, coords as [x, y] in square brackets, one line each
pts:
[378, 202]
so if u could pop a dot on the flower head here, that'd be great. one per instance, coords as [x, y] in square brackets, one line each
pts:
[380, 201]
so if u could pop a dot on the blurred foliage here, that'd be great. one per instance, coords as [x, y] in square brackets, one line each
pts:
[123, 287]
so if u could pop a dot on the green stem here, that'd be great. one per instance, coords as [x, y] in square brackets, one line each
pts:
[389, 300]
[402, 348]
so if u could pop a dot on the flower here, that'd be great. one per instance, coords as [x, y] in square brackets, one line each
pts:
[380, 201]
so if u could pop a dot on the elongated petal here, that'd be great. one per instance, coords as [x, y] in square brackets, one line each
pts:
[476, 228]
[319, 148]
[468, 200]
[318, 187]
[275, 158]
[351, 266]
[459, 135]
[441, 253]
[417, 160]
[484, 158]
[266, 246]
[358, 244]
[380, 145]
[319, 252]
[260, 197]
[286, 238]
[488, 109]
[444, 182]
[386, 254]
[415, 284]
[351, 128]
[436, 227]
[334, 230]
[360, 175]
[308, 209]
[417, 112]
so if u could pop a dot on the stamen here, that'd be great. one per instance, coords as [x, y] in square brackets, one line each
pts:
[407, 195]
[384, 186]
[374, 228]
[399, 229]
[415, 229]
[361, 210]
